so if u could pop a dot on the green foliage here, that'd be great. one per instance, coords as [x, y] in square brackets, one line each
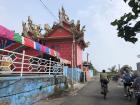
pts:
[89, 65]
[113, 69]
[113, 72]
[126, 30]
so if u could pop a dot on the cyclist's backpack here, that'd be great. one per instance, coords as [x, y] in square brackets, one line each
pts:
[127, 78]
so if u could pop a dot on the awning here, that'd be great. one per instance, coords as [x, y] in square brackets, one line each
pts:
[6, 33]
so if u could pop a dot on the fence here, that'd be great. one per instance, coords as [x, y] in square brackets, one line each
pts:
[13, 62]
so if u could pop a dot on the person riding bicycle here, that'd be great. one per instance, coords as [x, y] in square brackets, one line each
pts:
[127, 80]
[104, 79]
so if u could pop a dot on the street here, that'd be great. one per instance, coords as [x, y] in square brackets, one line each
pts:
[90, 95]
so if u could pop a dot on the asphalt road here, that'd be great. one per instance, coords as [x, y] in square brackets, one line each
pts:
[90, 95]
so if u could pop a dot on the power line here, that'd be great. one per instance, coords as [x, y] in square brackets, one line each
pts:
[48, 9]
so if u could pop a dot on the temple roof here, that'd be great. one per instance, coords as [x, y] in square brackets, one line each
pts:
[34, 31]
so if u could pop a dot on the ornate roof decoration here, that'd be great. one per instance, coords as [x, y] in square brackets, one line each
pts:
[33, 31]
[47, 29]
[73, 27]
[63, 16]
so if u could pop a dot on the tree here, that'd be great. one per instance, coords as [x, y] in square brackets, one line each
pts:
[128, 25]
[89, 65]
[113, 69]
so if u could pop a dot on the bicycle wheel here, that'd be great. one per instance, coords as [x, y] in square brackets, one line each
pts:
[105, 92]
[129, 94]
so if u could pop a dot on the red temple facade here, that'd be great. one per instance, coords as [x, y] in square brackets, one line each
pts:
[67, 38]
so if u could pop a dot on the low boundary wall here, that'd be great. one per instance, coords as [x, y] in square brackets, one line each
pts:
[27, 90]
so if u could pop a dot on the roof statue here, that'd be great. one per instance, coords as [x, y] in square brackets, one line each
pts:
[87, 44]
[31, 30]
[63, 16]
[37, 30]
[83, 29]
[47, 28]
[72, 22]
[25, 29]
[30, 24]
[78, 25]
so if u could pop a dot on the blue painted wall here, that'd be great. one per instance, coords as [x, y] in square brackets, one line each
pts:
[26, 91]
[91, 72]
[75, 71]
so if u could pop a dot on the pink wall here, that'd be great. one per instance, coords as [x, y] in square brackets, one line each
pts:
[79, 55]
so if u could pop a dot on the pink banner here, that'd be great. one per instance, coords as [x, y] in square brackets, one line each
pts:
[52, 52]
[5, 33]
[43, 48]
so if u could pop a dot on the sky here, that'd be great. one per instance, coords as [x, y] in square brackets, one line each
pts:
[105, 50]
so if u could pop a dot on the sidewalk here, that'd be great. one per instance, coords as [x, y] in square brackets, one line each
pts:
[59, 99]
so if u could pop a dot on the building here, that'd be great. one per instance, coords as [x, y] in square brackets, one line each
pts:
[67, 38]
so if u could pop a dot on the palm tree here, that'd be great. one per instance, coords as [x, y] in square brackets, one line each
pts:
[113, 69]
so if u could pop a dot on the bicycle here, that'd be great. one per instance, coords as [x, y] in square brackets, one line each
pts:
[104, 90]
[130, 92]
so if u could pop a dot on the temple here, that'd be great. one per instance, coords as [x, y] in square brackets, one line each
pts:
[67, 38]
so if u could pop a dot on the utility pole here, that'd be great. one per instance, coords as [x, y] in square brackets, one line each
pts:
[86, 67]
[73, 57]
[87, 57]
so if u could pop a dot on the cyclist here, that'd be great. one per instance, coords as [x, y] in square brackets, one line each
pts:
[104, 79]
[127, 79]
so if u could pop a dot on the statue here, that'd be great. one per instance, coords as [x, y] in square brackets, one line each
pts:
[25, 30]
[83, 29]
[30, 24]
[72, 21]
[63, 16]
[47, 28]
[87, 44]
[78, 25]
[31, 30]
[37, 30]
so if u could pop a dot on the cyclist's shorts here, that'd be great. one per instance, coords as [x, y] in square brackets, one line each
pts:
[104, 81]
[127, 84]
